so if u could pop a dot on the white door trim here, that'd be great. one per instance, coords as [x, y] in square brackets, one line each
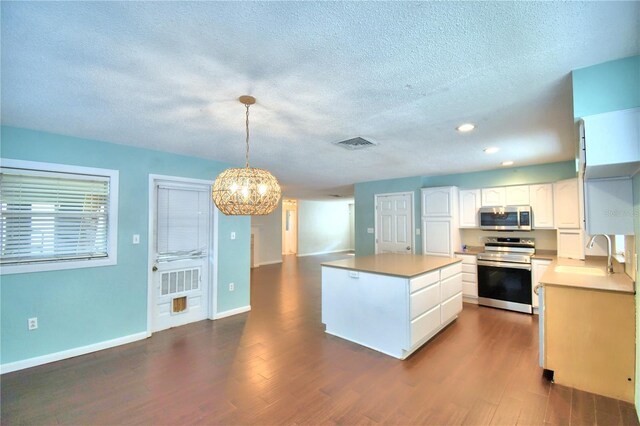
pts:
[213, 243]
[375, 218]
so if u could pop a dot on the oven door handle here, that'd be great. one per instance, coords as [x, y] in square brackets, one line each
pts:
[505, 265]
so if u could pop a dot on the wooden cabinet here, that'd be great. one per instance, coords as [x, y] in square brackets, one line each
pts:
[439, 201]
[609, 206]
[538, 268]
[541, 200]
[470, 202]
[494, 196]
[589, 340]
[517, 195]
[566, 204]
[612, 143]
[469, 277]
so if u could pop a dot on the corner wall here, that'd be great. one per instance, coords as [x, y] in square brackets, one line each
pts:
[323, 227]
[269, 247]
[86, 307]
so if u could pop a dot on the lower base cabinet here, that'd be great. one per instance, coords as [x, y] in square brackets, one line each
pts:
[469, 277]
[390, 314]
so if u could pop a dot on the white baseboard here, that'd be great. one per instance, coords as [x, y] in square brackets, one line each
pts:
[271, 262]
[323, 252]
[70, 353]
[230, 312]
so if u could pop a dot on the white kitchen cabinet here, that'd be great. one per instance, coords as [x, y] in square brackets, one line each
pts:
[494, 196]
[517, 195]
[393, 314]
[609, 206]
[439, 201]
[612, 143]
[541, 200]
[566, 204]
[469, 277]
[470, 202]
[437, 237]
[571, 243]
[538, 268]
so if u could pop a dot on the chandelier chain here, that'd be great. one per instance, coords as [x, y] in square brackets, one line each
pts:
[247, 127]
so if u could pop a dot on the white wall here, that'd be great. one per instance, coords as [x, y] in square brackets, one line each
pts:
[323, 226]
[269, 241]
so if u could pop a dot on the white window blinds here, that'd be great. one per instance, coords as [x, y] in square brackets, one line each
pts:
[50, 216]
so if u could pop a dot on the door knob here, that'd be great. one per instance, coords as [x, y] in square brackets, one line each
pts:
[408, 248]
[155, 268]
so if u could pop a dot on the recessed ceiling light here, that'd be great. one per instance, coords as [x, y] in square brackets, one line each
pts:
[507, 163]
[491, 150]
[466, 127]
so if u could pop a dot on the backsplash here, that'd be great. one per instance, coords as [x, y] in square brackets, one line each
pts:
[545, 238]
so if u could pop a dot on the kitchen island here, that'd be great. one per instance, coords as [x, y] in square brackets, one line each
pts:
[392, 303]
[588, 327]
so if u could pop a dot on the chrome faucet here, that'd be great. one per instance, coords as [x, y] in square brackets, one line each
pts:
[609, 258]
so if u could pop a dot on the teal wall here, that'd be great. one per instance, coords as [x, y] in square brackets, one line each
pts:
[81, 307]
[606, 87]
[365, 191]
[610, 86]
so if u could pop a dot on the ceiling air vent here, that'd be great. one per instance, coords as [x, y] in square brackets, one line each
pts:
[355, 143]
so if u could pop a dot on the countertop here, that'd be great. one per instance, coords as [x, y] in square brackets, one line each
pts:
[397, 265]
[618, 282]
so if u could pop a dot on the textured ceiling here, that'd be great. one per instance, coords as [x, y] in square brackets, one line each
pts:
[166, 76]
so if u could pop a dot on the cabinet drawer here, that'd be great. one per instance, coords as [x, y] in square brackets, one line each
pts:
[470, 269]
[469, 278]
[450, 270]
[467, 259]
[425, 299]
[425, 324]
[450, 286]
[424, 280]
[451, 307]
[469, 289]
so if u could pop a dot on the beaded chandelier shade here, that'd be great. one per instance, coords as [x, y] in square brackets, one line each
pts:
[246, 190]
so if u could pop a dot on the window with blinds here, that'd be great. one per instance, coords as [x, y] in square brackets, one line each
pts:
[51, 216]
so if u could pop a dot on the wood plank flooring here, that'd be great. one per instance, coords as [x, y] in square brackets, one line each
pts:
[275, 365]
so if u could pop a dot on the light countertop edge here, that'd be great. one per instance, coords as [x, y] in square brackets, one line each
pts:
[395, 265]
[619, 282]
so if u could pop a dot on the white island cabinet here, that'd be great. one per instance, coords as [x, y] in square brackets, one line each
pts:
[393, 303]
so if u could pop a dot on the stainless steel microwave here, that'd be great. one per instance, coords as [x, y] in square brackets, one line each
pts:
[505, 218]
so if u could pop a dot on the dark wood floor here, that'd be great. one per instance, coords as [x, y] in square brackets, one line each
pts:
[275, 365]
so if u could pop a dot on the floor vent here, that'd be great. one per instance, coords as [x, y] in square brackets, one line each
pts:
[355, 143]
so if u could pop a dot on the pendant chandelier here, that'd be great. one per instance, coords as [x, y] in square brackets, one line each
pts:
[246, 190]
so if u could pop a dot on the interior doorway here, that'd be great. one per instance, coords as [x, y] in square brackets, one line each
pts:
[289, 227]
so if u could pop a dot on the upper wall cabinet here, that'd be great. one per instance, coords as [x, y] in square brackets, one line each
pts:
[609, 206]
[566, 203]
[541, 200]
[517, 195]
[470, 202]
[439, 201]
[494, 197]
[611, 143]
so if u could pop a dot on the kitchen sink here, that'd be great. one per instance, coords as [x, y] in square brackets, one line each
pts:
[580, 270]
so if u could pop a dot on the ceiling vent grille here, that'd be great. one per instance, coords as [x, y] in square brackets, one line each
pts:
[355, 143]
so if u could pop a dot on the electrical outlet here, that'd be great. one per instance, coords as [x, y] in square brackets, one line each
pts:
[233, 235]
[33, 323]
[369, 230]
[136, 239]
[232, 287]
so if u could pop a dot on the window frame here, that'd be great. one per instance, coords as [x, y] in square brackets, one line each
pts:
[112, 234]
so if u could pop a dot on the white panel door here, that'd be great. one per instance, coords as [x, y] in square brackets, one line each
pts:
[517, 195]
[394, 223]
[492, 197]
[470, 202]
[436, 237]
[541, 198]
[181, 247]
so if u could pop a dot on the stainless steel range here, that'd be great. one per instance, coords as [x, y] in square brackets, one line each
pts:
[504, 273]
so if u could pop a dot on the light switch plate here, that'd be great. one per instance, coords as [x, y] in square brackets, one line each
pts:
[136, 239]
[417, 231]
[369, 230]
[233, 235]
